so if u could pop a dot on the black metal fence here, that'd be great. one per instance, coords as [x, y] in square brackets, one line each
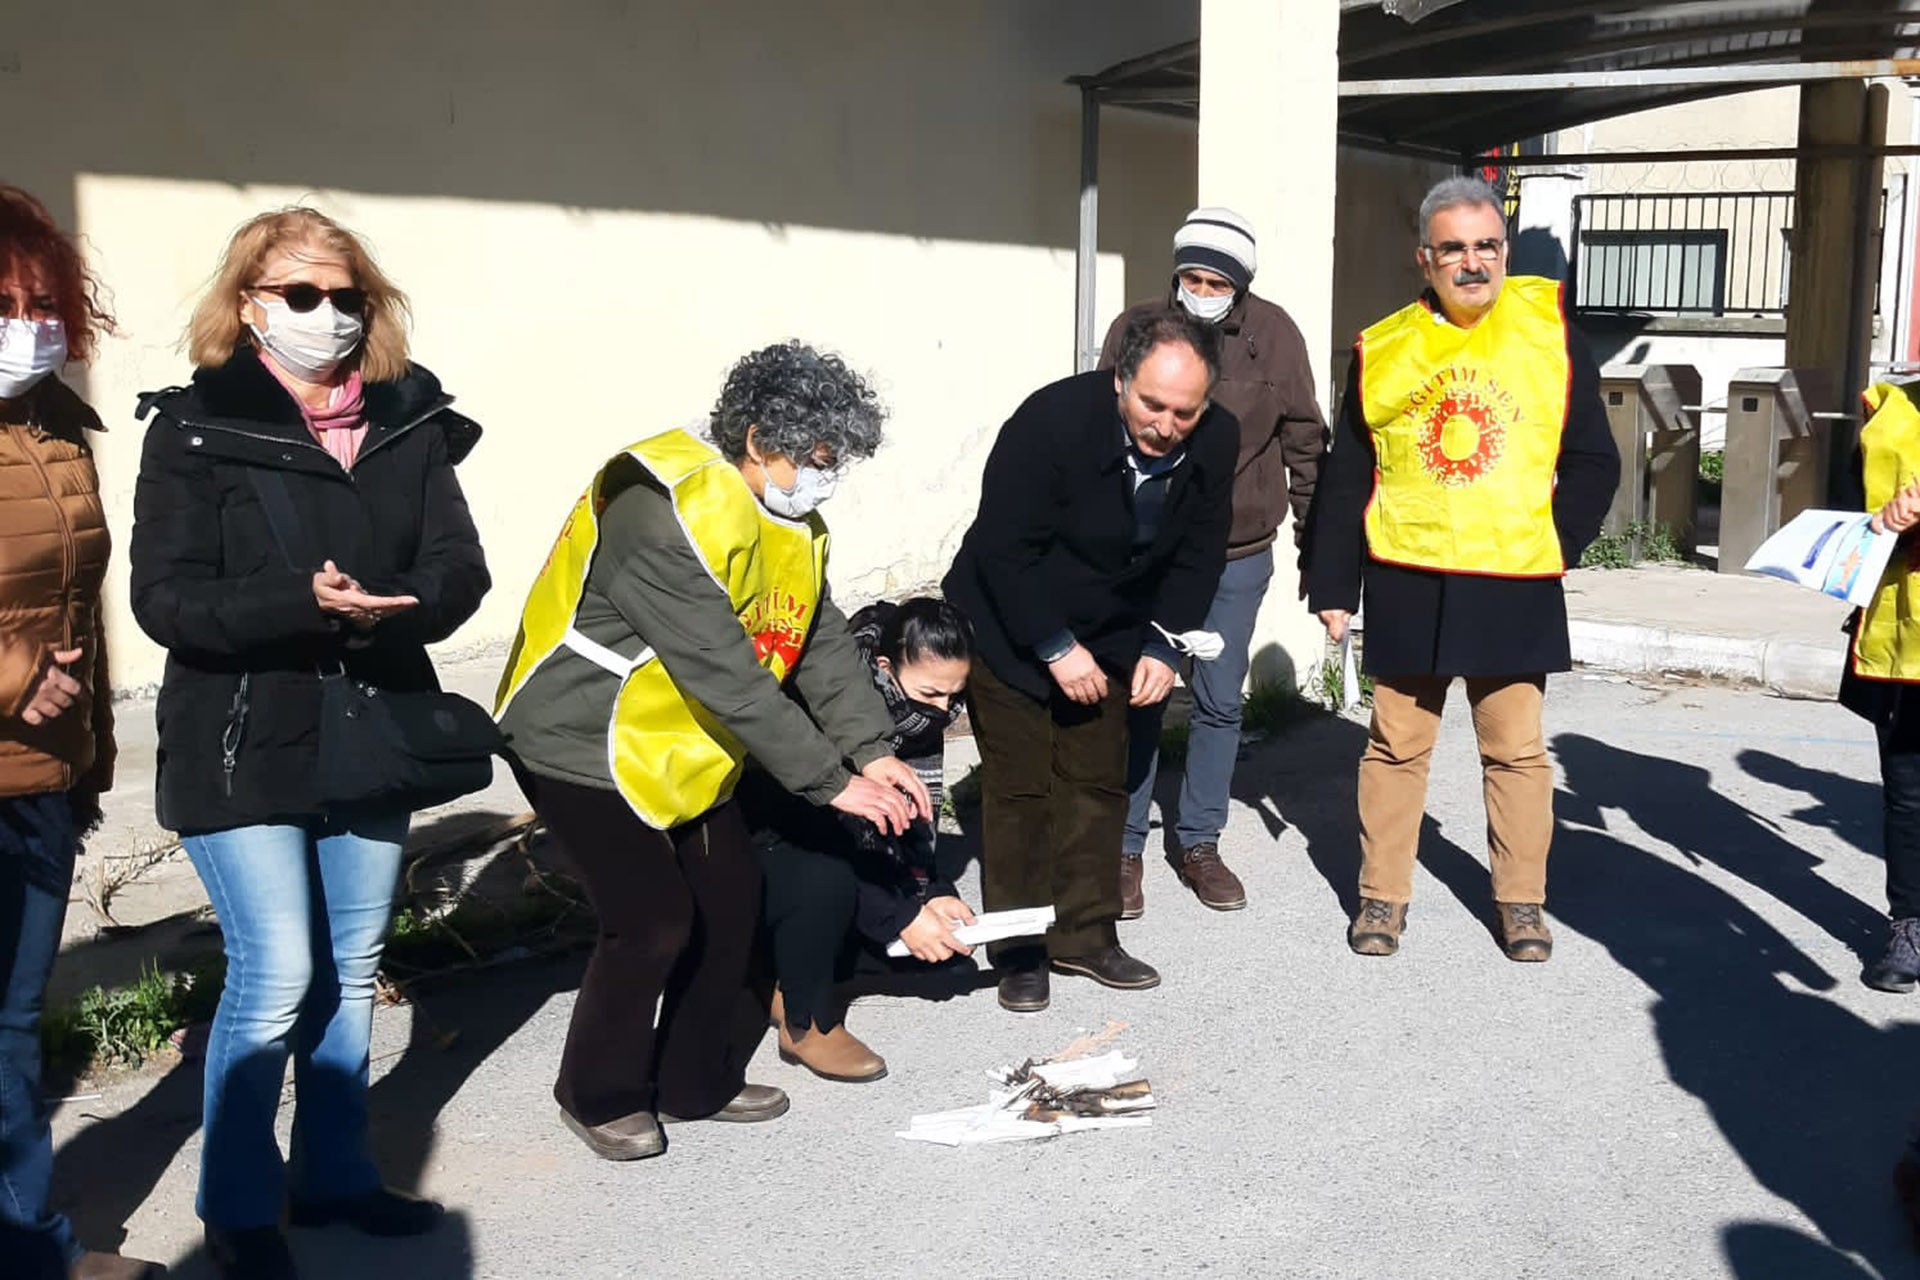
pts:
[1706, 254]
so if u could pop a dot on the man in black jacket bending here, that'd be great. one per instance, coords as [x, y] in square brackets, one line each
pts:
[1100, 539]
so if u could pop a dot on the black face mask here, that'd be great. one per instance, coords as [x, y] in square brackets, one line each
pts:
[941, 717]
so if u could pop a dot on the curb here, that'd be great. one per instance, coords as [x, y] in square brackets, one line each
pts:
[1790, 668]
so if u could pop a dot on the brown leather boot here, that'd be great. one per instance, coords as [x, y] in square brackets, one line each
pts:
[1133, 898]
[1523, 931]
[111, 1266]
[1209, 878]
[832, 1055]
[1377, 927]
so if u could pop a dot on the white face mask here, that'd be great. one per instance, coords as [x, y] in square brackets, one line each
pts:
[29, 351]
[1201, 646]
[1211, 309]
[308, 344]
[811, 487]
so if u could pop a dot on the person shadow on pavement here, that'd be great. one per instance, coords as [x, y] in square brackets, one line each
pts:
[1814, 1099]
[1677, 804]
[106, 1172]
[1308, 777]
[1848, 807]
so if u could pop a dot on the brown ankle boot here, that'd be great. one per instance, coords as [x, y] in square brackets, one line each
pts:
[1377, 927]
[1524, 935]
[832, 1055]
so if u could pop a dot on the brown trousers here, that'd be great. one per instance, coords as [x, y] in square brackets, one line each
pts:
[1516, 778]
[1053, 797]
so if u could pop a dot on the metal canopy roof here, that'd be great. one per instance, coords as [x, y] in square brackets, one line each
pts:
[1458, 77]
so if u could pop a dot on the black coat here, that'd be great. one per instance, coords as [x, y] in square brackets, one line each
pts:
[1052, 545]
[1421, 622]
[210, 584]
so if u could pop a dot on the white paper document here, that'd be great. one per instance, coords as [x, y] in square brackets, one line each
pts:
[993, 926]
[1834, 552]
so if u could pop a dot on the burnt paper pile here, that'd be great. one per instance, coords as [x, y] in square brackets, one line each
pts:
[1044, 1100]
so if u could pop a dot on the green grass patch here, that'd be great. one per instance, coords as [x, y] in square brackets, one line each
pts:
[124, 1026]
[1641, 543]
[1332, 686]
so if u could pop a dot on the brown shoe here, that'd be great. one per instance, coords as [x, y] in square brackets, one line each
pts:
[1377, 927]
[1133, 899]
[633, 1137]
[832, 1055]
[1209, 878]
[1523, 931]
[754, 1103]
[111, 1266]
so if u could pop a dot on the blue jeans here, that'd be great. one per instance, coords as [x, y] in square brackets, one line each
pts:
[37, 846]
[1213, 736]
[303, 912]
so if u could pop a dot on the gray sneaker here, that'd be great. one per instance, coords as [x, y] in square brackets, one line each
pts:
[1899, 968]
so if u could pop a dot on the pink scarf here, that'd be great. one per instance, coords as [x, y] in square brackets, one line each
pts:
[339, 428]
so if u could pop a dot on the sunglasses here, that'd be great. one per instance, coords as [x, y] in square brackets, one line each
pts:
[305, 297]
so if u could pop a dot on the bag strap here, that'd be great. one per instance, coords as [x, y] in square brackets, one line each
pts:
[282, 522]
[271, 488]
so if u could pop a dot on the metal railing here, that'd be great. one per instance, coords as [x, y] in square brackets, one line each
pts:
[1703, 254]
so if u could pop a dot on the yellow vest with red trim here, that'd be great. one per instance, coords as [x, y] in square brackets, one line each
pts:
[1466, 427]
[1886, 642]
[669, 757]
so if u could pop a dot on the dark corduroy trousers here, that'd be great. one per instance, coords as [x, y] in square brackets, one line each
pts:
[1053, 792]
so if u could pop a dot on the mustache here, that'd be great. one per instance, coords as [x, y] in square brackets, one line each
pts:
[1479, 275]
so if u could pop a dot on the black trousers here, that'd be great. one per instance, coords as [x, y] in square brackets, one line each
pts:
[1053, 792]
[810, 903]
[1900, 803]
[665, 1019]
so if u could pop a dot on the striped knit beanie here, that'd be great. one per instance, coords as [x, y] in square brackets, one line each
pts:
[1216, 239]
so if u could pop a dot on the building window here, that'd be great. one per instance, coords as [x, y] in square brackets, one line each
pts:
[1673, 270]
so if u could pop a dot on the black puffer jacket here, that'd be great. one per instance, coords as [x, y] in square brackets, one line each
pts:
[209, 582]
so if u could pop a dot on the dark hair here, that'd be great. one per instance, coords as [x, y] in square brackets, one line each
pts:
[921, 628]
[29, 239]
[1153, 329]
[800, 400]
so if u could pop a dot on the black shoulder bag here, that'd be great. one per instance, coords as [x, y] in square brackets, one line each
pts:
[380, 748]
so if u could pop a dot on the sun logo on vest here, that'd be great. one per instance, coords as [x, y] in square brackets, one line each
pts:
[1461, 437]
[777, 625]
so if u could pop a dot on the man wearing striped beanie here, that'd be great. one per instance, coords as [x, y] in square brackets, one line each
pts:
[1266, 381]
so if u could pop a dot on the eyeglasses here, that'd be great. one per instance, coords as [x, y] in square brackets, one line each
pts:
[305, 297]
[1451, 253]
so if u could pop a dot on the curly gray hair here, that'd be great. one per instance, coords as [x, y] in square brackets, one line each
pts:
[803, 402]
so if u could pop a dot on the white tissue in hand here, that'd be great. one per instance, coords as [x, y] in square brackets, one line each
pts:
[1201, 646]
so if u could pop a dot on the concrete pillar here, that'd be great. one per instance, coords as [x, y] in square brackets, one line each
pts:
[1543, 233]
[1269, 117]
[1836, 210]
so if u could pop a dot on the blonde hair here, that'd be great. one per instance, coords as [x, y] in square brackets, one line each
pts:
[215, 331]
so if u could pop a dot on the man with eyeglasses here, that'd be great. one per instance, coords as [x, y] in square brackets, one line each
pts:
[1266, 381]
[1472, 464]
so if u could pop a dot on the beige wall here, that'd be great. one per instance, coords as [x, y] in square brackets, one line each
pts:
[598, 207]
[1763, 118]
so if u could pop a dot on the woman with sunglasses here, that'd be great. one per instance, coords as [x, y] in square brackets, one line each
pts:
[303, 389]
[56, 722]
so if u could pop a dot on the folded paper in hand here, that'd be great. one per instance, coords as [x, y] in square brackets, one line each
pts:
[992, 926]
[1835, 552]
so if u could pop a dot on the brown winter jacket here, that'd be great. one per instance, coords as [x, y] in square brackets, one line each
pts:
[53, 558]
[1266, 382]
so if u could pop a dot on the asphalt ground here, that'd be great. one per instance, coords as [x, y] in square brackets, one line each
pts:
[1696, 1086]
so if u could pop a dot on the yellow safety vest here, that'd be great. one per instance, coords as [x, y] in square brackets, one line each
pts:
[1886, 643]
[669, 756]
[1466, 426]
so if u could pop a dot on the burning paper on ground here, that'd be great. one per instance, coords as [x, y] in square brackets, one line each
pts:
[1064, 1094]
